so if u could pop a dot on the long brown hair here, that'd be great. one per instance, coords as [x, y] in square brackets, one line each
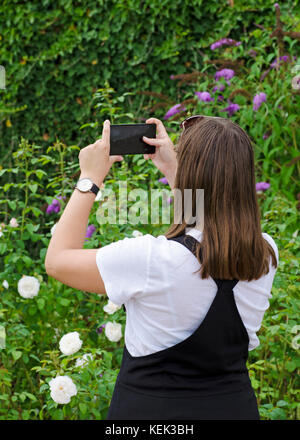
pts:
[217, 155]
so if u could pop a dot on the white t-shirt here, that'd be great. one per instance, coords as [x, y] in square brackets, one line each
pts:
[165, 302]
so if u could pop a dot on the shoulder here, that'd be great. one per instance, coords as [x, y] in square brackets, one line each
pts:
[128, 245]
[271, 241]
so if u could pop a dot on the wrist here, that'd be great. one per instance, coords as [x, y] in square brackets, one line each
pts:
[94, 178]
[170, 175]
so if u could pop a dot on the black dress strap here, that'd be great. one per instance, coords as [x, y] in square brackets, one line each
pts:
[191, 243]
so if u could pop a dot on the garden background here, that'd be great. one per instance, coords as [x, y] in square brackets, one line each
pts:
[70, 65]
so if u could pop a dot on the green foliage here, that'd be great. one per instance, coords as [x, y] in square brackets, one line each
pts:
[56, 55]
[71, 68]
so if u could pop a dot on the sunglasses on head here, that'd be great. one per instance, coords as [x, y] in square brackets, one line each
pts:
[188, 122]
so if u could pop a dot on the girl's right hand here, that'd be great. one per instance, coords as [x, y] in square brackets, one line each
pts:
[164, 157]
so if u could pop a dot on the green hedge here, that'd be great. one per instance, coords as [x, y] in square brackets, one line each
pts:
[56, 53]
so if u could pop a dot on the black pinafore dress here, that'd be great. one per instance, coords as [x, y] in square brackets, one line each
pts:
[203, 377]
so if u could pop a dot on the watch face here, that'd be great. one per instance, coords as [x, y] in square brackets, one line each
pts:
[84, 184]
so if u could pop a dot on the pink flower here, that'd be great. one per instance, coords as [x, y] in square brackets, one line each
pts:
[231, 109]
[224, 41]
[219, 87]
[204, 96]
[54, 207]
[224, 73]
[90, 230]
[258, 100]
[163, 180]
[252, 53]
[266, 135]
[174, 110]
[280, 60]
[262, 186]
[13, 222]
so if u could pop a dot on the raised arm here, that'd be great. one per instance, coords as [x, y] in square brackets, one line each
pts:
[164, 157]
[66, 260]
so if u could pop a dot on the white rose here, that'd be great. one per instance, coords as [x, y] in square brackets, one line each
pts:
[111, 307]
[62, 389]
[28, 287]
[113, 331]
[13, 222]
[137, 234]
[5, 284]
[70, 343]
[53, 228]
[295, 340]
[84, 360]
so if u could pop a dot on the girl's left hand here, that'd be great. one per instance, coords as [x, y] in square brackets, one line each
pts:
[94, 160]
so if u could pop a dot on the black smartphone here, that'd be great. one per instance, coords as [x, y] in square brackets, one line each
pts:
[128, 139]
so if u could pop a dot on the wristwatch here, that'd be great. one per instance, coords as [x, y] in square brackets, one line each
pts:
[86, 185]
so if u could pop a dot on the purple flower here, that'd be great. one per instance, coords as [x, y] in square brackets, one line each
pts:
[231, 109]
[276, 5]
[252, 53]
[266, 135]
[224, 41]
[219, 87]
[204, 96]
[224, 73]
[90, 230]
[53, 207]
[170, 200]
[258, 100]
[163, 180]
[277, 61]
[174, 110]
[262, 186]
[220, 98]
[100, 329]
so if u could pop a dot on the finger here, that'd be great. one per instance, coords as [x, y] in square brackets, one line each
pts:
[106, 133]
[114, 159]
[161, 130]
[146, 156]
[152, 141]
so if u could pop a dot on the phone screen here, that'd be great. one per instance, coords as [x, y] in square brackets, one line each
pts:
[128, 138]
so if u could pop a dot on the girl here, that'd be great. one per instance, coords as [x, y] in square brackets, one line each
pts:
[194, 297]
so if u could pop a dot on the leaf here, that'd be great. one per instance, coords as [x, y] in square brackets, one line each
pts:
[12, 204]
[64, 302]
[33, 187]
[41, 303]
[16, 354]
[32, 310]
[282, 403]
[40, 173]
[83, 407]
[291, 366]
[31, 396]
[29, 227]
[3, 247]
[36, 211]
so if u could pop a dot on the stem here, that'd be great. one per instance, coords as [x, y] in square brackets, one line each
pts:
[61, 164]
[26, 192]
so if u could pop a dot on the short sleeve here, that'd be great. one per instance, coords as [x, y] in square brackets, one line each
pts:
[123, 266]
[272, 243]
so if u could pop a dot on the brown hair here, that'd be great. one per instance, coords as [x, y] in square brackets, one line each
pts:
[217, 155]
